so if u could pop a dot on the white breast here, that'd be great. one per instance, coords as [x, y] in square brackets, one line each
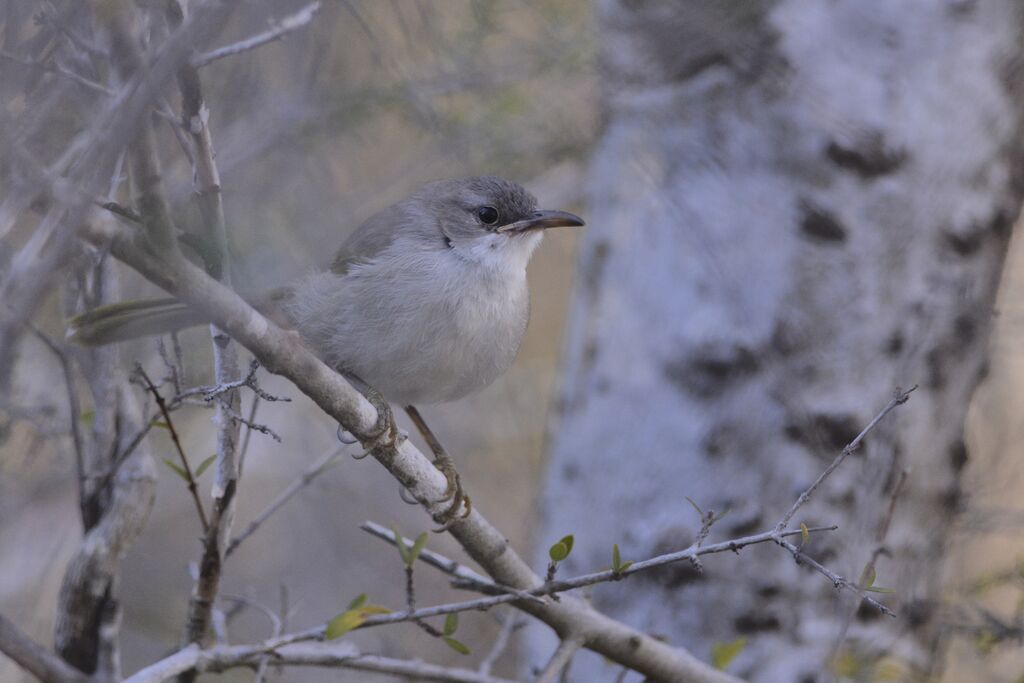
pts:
[420, 327]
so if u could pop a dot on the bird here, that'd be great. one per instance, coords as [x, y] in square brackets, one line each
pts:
[426, 302]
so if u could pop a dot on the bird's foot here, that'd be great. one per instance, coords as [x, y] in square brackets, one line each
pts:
[453, 492]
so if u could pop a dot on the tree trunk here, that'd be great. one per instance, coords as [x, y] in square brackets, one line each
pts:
[795, 208]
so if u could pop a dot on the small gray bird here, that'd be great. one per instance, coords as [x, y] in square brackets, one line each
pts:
[426, 301]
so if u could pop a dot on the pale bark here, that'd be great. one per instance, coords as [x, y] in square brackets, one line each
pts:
[795, 208]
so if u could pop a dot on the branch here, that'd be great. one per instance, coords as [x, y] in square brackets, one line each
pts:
[34, 658]
[302, 481]
[283, 353]
[186, 468]
[898, 399]
[560, 660]
[278, 30]
[335, 655]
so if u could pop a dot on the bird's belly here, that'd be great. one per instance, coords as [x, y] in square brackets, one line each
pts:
[429, 347]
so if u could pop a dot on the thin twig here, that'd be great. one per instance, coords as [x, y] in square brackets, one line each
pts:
[278, 30]
[898, 399]
[560, 660]
[320, 465]
[34, 658]
[509, 623]
[837, 581]
[189, 479]
[74, 414]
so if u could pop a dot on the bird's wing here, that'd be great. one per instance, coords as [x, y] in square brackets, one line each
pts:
[370, 238]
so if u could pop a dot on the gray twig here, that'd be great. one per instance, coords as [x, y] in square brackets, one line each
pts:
[278, 30]
[302, 481]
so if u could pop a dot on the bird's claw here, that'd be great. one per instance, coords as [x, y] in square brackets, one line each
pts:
[453, 492]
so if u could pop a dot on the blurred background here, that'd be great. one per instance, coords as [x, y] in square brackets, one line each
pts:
[314, 133]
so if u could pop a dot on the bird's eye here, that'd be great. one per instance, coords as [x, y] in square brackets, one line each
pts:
[488, 215]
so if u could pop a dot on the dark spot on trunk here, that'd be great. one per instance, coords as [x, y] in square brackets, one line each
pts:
[747, 525]
[962, 244]
[820, 224]
[1002, 223]
[756, 622]
[966, 329]
[958, 455]
[824, 431]
[869, 158]
[711, 369]
[936, 378]
[951, 499]
[917, 613]
[593, 270]
[894, 345]
[867, 612]
[634, 643]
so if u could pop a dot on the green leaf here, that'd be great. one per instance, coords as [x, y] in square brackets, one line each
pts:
[879, 589]
[560, 550]
[805, 533]
[700, 513]
[624, 566]
[616, 558]
[456, 645]
[177, 469]
[345, 622]
[722, 654]
[87, 417]
[352, 618]
[204, 464]
[867, 577]
[357, 602]
[400, 544]
[161, 424]
[417, 548]
[451, 623]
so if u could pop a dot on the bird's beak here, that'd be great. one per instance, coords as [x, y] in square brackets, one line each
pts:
[541, 220]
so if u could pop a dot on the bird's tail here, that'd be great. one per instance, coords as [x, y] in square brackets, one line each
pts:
[132, 319]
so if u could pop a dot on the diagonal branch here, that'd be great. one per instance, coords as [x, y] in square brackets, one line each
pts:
[34, 658]
[278, 30]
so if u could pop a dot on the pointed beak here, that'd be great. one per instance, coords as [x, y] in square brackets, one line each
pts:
[542, 220]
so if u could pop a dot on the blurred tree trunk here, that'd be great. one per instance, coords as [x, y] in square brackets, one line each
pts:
[795, 208]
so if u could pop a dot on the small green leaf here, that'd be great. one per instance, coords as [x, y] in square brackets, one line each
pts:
[204, 464]
[87, 417]
[560, 550]
[624, 566]
[352, 618]
[456, 645]
[867, 577]
[616, 558]
[805, 533]
[345, 622]
[417, 548]
[177, 469]
[375, 609]
[400, 544]
[357, 602]
[700, 513]
[161, 424]
[879, 589]
[451, 623]
[722, 654]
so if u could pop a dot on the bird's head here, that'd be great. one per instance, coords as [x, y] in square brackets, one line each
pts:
[489, 219]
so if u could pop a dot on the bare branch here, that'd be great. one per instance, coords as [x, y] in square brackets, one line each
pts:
[898, 399]
[334, 655]
[509, 623]
[560, 660]
[278, 30]
[319, 466]
[186, 468]
[34, 658]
